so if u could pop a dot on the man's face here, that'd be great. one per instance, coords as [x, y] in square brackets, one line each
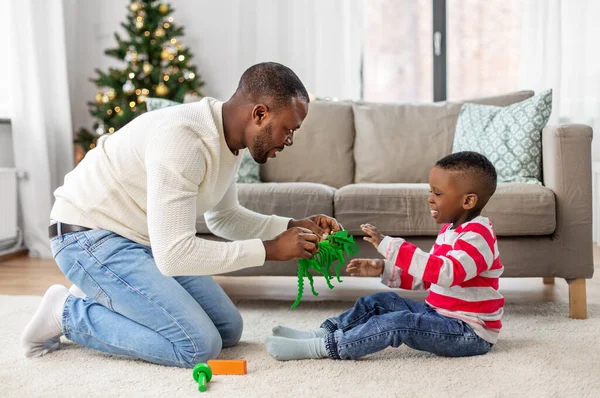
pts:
[275, 129]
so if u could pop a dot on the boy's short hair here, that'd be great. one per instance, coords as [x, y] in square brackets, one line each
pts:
[476, 166]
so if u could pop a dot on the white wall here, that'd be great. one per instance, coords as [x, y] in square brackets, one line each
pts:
[319, 39]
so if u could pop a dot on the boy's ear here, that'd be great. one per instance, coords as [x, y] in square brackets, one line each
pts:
[470, 201]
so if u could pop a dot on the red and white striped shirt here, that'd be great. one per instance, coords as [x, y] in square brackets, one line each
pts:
[461, 272]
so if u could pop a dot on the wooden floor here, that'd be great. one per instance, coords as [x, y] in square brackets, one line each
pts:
[30, 276]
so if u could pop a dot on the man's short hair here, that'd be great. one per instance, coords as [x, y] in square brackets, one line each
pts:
[272, 80]
[475, 166]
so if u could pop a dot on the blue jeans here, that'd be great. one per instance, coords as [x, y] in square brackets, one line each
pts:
[386, 319]
[132, 309]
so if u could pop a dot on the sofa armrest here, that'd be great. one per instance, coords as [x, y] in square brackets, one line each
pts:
[567, 171]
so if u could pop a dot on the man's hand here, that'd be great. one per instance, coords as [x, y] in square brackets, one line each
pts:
[320, 224]
[292, 244]
[374, 236]
[365, 267]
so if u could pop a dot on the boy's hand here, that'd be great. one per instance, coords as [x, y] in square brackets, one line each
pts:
[375, 237]
[365, 267]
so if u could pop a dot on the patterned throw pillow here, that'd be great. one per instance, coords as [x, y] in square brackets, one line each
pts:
[153, 104]
[249, 171]
[510, 137]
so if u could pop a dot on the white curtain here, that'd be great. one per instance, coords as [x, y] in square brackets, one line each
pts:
[40, 112]
[321, 40]
[560, 51]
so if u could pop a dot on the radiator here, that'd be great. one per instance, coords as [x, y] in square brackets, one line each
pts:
[8, 205]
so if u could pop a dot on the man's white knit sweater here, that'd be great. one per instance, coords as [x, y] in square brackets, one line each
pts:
[152, 179]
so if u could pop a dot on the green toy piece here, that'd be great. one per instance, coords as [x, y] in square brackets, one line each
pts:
[330, 250]
[202, 374]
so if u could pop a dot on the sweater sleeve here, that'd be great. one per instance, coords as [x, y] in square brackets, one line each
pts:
[229, 220]
[175, 167]
[397, 277]
[471, 254]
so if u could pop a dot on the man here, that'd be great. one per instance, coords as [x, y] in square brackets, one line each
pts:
[125, 227]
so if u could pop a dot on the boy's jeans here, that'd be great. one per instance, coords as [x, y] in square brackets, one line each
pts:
[386, 319]
[133, 309]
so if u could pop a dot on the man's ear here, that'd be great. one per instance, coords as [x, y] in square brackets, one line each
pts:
[470, 201]
[259, 113]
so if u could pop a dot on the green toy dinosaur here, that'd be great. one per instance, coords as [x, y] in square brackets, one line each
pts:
[330, 250]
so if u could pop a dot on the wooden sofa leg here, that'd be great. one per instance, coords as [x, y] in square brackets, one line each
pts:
[549, 281]
[577, 299]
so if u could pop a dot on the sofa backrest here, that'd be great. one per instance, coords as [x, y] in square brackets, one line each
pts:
[341, 143]
[400, 143]
[322, 150]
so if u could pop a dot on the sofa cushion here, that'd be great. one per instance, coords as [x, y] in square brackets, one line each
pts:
[296, 200]
[403, 210]
[401, 142]
[322, 150]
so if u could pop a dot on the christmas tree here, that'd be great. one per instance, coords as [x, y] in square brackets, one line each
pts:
[156, 65]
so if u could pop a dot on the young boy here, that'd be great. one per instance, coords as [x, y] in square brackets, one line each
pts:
[461, 315]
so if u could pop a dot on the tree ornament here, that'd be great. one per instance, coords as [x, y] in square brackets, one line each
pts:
[128, 87]
[163, 8]
[159, 32]
[162, 90]
[99, 96]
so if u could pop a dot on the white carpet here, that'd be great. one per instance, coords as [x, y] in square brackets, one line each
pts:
[542, 353]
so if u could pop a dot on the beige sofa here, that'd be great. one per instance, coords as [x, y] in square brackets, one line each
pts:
[368, 162]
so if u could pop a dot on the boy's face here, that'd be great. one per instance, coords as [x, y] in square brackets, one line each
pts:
[448, 200]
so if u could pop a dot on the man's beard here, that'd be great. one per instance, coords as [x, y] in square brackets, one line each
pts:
[262, 144]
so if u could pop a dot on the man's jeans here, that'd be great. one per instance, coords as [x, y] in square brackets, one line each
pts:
[386, 319]
[133, 309]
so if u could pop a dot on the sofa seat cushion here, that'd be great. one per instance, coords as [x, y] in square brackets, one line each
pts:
[295, 200]
[516, 209]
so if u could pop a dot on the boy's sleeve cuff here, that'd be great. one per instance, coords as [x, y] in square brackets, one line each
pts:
[387, 277]
[384, 246]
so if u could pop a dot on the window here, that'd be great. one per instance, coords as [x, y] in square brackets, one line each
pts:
[426, 50]
[483, 44]
[397, 57]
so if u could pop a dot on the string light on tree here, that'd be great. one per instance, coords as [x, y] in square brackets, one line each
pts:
[135, 6]
[147, 68]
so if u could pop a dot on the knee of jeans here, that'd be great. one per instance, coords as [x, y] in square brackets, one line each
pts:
[375, 298]
[201, 349]
[231, 333]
